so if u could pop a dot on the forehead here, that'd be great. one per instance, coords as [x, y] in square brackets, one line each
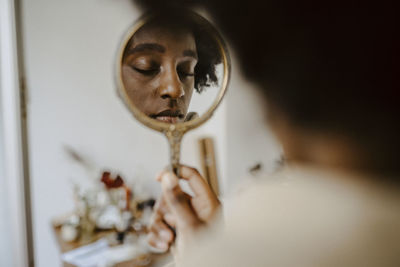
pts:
[172, 38]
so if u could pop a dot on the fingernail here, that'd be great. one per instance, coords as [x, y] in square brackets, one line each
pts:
[169, 218]
[159, 175]
[165, 234]
[162, 245]
[169, 181]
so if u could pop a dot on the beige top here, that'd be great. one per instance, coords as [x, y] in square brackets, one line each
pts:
[304, 217]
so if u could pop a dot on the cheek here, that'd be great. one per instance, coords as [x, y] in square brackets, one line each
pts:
[140, 90]
[130, 81]
[136, 83]
[188, 87]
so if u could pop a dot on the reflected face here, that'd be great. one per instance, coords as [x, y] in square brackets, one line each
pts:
[158, 72]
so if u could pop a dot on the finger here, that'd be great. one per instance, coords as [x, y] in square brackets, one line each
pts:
[158, 212]
[162, 213]
[196, 182]
[163, 232]
[161, 207]
[154, 241]
[170, 219]
[160, 174]
[178, 202]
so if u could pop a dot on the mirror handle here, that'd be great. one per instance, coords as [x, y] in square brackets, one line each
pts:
[174, 138]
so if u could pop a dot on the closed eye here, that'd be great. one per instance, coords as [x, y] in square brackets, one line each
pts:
[186, 68]
[186, 73]
[183, 76]
[147, 72]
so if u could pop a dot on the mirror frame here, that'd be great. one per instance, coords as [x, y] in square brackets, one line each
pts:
[160, 126]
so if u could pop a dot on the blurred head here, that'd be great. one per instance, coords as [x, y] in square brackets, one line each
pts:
[164, 62]
[328, 70]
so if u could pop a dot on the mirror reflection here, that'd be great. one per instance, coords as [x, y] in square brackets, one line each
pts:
[171, 69]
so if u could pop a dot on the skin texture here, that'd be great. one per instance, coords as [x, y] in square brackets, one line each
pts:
[158, 71]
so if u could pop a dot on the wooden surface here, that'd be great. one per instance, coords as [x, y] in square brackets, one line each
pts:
[209, 163]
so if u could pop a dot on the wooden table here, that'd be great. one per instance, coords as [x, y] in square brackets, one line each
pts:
[156, 260]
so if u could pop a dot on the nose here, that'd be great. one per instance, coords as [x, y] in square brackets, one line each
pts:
[170, 85]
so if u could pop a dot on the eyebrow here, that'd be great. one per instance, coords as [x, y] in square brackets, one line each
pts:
[158, 48]
[147, 47]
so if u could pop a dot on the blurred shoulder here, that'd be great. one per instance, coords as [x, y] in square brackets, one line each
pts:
[308, 218]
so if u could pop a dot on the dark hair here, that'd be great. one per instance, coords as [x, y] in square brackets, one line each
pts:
[207, 46]
[329, 66]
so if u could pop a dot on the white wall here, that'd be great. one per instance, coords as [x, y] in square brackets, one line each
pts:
[249, 139]
[69, 52]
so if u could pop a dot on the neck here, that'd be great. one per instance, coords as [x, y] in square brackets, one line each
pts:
[328, 151]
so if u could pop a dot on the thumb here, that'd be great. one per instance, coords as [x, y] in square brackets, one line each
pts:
[178, 202]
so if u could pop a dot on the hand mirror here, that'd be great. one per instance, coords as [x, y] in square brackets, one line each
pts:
[172, 72]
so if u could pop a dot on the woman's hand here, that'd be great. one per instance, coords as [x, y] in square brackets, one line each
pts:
[180, 211]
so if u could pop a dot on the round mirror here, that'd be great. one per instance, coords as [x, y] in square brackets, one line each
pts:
[172, 72]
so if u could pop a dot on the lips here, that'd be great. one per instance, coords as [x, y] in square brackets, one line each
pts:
[168, 116]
